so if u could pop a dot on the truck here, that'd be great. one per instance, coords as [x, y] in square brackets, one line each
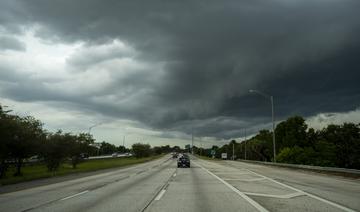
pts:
[224, 156]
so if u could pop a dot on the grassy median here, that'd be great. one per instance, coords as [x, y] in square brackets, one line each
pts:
[32, 172]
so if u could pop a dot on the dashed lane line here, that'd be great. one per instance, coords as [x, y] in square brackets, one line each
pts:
[158, 197]
[65, 198]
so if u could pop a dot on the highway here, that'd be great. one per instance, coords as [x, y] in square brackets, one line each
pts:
[207, 186]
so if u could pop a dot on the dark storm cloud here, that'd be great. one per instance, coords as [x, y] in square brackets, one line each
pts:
[9, 43]
[302, 52]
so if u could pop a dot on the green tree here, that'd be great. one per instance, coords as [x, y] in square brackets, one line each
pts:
[297, 155]
[107, 148]
[141, 150]
[55, 149]
[6, 124]
[290, 133]
[346, 141]
[26, 134]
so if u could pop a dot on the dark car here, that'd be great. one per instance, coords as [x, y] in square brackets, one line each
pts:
[183, 161]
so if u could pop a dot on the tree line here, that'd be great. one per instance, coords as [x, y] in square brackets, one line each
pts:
[296, 143]
[24, 137]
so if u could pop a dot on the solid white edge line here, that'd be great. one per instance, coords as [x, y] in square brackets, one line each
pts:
[244, 180]
[65, 198]
[244, 196]
[285, 196]
[158, 197]
[308, 194]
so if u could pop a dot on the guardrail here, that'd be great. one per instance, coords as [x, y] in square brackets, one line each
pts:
[109, 156]
[334, 170]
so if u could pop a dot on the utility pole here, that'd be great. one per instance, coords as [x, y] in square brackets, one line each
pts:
[192, 140]
[271, 98]
[200, 146]
[124, 143]
[233, 151]
[273, 125]
[245, 143]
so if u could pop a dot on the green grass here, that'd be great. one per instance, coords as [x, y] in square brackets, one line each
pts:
[32, 172]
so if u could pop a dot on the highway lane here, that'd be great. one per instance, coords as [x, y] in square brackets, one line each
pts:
[206, 186]
[279, 189]
[341, 190]
[96, 189]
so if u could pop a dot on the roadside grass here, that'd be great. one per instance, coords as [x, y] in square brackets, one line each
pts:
[33, 172]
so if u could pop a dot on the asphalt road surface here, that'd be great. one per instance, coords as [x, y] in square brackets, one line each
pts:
[206, 186]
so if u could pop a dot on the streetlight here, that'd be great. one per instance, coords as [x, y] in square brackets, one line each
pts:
[192, 140]
[245, 143]
[95, 125]
[92, 126]
[272, 115]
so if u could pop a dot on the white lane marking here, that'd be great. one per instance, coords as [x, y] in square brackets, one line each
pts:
[308, 194]
[174, 175]
[285, 196]
[65, 198]
[158, 197]
[233, 173]
[251, 201]
[246, 180]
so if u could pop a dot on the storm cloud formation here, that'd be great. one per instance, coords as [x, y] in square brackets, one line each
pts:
[178, 65]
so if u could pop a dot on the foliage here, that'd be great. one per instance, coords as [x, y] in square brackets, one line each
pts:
[20, 138]
[141, 150]
[107, 148]
[55, 149]
[297, 155]
[335, 145]
[290, 133]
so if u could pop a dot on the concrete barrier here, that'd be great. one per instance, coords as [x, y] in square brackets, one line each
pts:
[333, 170]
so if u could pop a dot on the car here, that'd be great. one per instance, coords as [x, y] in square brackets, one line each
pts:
[84, 155]
[183, 161]
[175, 155]
[115, 155]
[34, 159]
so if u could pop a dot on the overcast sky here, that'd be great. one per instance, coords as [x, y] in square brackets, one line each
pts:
[154, 70]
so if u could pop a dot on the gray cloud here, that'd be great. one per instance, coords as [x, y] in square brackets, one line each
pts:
[9, 43]
[200, 58]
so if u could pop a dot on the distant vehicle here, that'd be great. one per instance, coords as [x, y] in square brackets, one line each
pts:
[115, 155]
[84, 155]
[175, 155]
[34, 159]
[224, 156]
[183, 161]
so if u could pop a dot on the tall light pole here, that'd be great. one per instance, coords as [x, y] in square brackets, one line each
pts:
[95, 125]
[89, 130]
[233, 157]
[245, 142]
[271, 98]
[192, 140]
[200, 146]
